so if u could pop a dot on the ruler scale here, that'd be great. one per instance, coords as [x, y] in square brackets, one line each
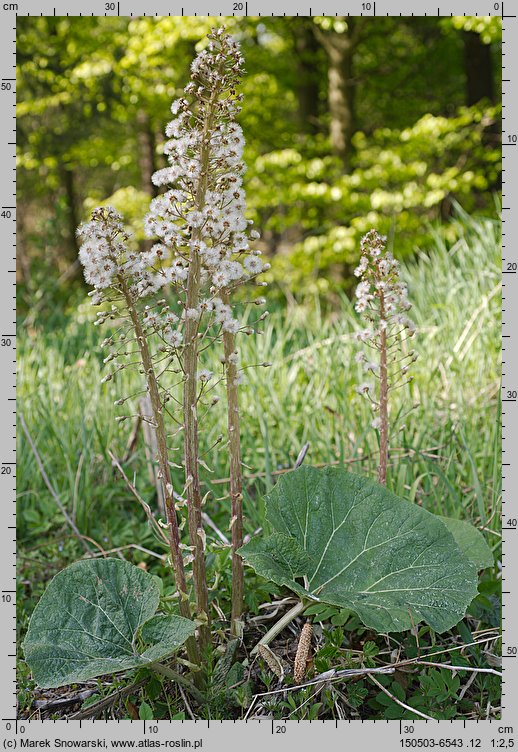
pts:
[222, 735]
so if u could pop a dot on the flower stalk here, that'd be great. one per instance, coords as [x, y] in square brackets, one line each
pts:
[202, 255]
[107, 262]
[192, 479]
[191, 453]
[191, 356]
[236, 479]
[206, 254]
[383, 401]
[381, 298]
[163, 463]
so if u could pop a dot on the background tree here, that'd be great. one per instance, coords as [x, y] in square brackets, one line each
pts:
[349, 122]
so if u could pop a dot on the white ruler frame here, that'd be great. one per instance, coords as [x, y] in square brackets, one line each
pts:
[225, 735]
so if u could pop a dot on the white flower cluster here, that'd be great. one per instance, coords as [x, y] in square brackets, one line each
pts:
[201, 216]
[381, 296]
[199, 221]
[103, 245]
[107, 258]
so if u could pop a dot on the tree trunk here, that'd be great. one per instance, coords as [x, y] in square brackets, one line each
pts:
[146, 152]
[307, 47]
[478, 66]
[72, 216]
[23, 261]
[479, 70]
[340, 48]
[341, 100]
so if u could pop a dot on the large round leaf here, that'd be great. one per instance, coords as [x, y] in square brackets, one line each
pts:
[470, 541]
[391, 562]
[88, 623]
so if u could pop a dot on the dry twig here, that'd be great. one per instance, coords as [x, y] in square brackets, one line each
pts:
[132, 439]
[61, 702]
[301, 456]
[147, 509]
[399, 702]
[471, 669]
[107, 702]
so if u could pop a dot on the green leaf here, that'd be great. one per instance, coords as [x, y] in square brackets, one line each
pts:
[370, 649]
[90, 701]
[470, 541]
[341, 618]
[391, 562]
[166, 634]
[279, 558]
[145, 712]
[326, 614]
[224, 664]
[317, 609]
[91, 619]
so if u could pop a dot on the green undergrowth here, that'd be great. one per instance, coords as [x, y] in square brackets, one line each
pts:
[445, 457]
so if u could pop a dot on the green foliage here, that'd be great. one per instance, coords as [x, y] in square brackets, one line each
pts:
[448, 440]
[145, 712]
[489, 28]
[358, 546]
[416, 147]
[470, 541]
[307, 396]
[323, 612]
[92, 619]
[401, 179]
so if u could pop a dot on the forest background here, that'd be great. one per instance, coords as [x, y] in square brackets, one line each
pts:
[350, 123]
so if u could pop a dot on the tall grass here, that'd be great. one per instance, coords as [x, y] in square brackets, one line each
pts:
[446, 455]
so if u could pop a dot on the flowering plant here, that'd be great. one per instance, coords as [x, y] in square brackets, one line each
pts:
[381, 298]
[337, 538]
[204, 252]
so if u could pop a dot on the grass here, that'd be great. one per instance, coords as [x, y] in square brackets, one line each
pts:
[445, 454]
